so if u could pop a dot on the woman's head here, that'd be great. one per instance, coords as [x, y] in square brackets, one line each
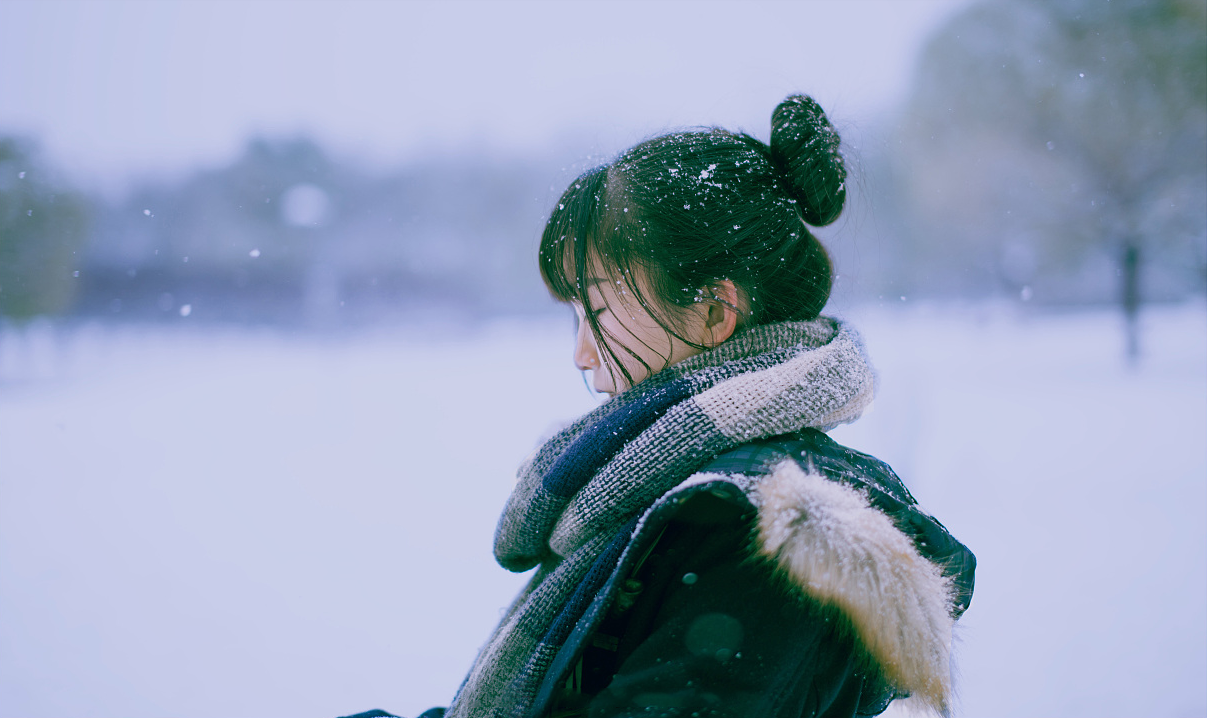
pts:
[684, 237]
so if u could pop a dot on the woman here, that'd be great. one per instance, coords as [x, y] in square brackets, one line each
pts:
[702, 547]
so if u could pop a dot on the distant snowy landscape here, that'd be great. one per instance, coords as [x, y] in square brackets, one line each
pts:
[202, 521]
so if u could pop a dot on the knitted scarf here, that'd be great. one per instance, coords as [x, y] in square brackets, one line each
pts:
[579, 498]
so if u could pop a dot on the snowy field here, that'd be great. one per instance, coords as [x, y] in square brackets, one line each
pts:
[235, 522]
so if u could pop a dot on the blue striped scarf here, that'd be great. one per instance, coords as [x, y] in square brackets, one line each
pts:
[578, 499]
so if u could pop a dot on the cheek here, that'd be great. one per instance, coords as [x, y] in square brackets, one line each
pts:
[643, 337]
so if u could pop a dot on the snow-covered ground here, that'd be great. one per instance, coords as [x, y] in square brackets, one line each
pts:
[237, 522]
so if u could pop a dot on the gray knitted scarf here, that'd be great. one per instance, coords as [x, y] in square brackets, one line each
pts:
[578, 499]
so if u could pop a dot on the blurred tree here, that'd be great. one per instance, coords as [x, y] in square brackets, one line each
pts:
[288, 232]
[1048, 139]
[227, 241]
[41, 229]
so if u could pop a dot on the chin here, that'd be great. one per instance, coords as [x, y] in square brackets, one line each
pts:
[608, 389]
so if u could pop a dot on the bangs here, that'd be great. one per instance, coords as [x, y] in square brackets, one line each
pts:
[570, 233]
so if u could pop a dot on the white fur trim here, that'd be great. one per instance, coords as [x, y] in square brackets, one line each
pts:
[843, 552]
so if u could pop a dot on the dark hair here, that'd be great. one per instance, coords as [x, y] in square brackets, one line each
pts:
[686, 210]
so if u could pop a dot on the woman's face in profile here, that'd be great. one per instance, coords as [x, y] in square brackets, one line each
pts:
[640, 344]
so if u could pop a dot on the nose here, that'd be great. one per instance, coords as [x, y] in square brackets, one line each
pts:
[586, 356]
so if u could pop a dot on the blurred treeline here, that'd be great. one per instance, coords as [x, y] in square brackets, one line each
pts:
[283, 234]
[1054, 151]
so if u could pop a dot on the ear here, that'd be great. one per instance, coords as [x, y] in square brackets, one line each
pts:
[722, 317]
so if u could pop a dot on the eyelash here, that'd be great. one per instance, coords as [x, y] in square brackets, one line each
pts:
[593, 312]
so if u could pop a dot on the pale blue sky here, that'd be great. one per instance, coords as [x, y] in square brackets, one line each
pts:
[114, 89]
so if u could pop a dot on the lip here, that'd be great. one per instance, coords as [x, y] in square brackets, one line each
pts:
[595, 384]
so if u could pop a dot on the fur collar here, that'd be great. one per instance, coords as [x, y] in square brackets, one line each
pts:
[828, 540]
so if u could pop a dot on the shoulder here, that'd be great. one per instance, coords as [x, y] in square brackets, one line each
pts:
[841, 528]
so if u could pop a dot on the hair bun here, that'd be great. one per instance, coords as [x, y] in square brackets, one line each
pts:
[805, 145]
